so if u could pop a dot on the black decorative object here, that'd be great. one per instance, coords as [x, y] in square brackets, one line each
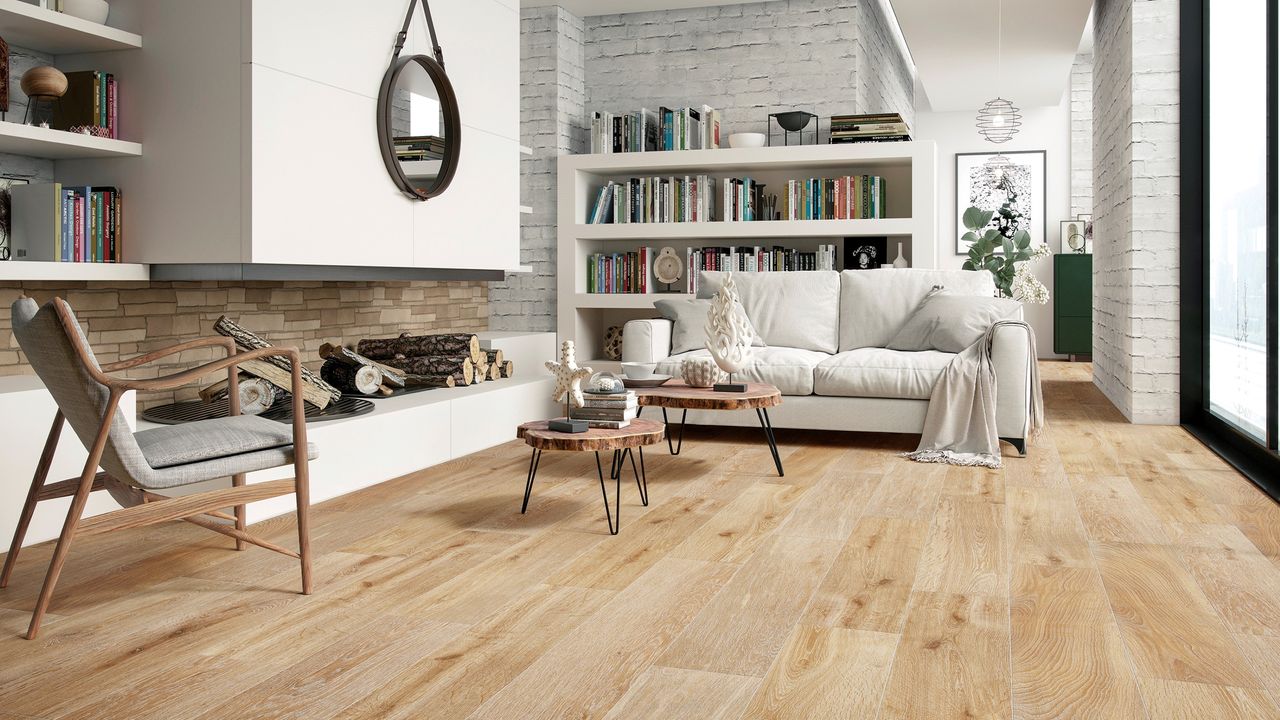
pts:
[793, 124]
[565, 425]
[866, 253]
[421, 164]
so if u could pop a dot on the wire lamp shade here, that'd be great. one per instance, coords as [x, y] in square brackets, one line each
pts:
[998, 121]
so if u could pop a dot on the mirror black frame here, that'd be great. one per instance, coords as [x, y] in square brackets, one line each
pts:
[452, 126]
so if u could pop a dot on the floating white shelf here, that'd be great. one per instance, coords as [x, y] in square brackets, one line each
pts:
[41, 142]
[718, 230]
[71, 271]
[29, 26]
[526, 209]
[421, 168]
[526, 150]
[621, 301]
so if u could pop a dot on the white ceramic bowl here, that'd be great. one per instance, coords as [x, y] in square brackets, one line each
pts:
[638, 370]
[94, 11]
[746, 140]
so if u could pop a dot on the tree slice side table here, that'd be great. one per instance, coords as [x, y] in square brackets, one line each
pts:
[679, 396]
[621, 441]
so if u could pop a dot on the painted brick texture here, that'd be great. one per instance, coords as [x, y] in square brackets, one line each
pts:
[552, 79]
[1135, 151]
[126, 319]
[1082, 134]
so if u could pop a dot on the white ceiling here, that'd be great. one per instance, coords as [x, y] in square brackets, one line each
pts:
[953, 44]
[587, 8]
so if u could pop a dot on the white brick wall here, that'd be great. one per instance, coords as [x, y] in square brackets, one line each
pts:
[551, 96]
[1082, 134]
[885, 76]
[1135, 151]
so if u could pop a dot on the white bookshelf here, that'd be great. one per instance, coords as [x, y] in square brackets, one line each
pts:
[29, 26]
[19, 270]
[20, 139]
[909, 169]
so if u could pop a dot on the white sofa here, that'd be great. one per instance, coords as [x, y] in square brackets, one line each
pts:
[825, 334]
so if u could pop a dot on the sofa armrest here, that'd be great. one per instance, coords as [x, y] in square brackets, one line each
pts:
[646, 340]
[1011, 357]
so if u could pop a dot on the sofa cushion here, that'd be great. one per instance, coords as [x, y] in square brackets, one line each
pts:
[788, 369]
[879, 372]
[949, 322]
[788, 309]
[875, 304]
[688, 318]
[171, 445]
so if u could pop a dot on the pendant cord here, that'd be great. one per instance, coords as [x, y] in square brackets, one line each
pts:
[999, 46]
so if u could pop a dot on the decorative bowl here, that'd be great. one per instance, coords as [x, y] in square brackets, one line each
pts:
[95, 11]
[638, 370]
[651, 381]
[746, 140]
[700, 372]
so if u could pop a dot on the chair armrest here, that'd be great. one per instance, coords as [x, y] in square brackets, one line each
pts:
[228, 343]
[1011, 358]
[647, 340]
[177, 380]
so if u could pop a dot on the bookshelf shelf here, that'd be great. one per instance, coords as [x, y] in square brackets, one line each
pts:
[21, 270]
[20, 139]
[29, 26]
[909, 169]
[718, 230]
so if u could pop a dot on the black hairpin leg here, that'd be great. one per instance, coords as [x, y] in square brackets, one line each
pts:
[675, 450]
[528, 483]
[614, 520]
[763, 414]
[642, 478]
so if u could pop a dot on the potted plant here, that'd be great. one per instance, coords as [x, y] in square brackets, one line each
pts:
[1011, 270]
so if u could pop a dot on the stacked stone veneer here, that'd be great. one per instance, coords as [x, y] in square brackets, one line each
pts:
[744, 60]
[1136, 190]
[126, 319]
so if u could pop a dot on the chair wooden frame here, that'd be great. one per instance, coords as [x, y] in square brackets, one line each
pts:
[149, 508]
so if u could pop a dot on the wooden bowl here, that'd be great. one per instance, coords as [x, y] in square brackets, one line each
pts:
[44, 81]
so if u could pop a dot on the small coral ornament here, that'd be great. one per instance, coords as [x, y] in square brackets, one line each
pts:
[568, 390]
[729, 334]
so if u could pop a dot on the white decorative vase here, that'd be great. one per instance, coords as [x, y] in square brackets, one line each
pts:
[900, 262]
[95, 11]
[700, 372]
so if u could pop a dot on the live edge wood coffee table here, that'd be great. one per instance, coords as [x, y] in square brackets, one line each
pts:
[679, 396]
[621, 441]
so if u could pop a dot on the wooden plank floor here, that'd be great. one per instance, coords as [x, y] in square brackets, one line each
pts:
[1119, 572]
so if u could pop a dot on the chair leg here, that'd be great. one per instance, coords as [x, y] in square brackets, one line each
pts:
[29, 508]
[303, 495]
[238, 481]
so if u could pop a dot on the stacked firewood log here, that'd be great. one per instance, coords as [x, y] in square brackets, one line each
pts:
[378, 366]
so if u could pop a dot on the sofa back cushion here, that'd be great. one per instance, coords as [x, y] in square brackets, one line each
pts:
[875, 304]
[788, 309]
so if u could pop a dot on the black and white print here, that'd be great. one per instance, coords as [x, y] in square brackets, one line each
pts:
[989, 180]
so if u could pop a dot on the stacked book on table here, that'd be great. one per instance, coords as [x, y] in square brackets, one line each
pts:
[611, 411]
[52, 222]
[873, 127]
[410, 148]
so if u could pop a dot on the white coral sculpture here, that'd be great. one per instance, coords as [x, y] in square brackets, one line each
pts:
[729, 333]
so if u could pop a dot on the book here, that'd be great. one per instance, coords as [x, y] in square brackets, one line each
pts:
[36, 222]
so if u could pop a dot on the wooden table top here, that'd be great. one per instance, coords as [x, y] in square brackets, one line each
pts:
[676, 394]
[639, 433]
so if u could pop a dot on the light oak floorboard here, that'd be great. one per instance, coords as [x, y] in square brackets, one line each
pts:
[679, 694]
[870, 581]
[1173, 700]
[826, 672]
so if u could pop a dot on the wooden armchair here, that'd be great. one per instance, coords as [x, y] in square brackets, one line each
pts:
[137, 465]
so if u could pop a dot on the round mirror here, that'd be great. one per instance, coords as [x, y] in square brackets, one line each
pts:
[418, 126]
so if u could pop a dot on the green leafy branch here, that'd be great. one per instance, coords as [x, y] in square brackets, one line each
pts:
[985, 242]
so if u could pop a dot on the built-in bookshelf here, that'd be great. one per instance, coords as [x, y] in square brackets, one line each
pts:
[908, 216]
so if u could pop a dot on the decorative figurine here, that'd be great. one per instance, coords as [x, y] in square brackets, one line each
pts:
[700, 372]
[43, 83]
[569, 379]
[729, 334]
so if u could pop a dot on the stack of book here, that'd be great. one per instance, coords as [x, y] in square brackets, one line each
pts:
[872, 127]
[53, 223]
[646, 130]
[612, 411]
[852, 197]
[745, 200]
[419, 147]
[90, 102]
[756, 259]
[619, 272]
[655, 199]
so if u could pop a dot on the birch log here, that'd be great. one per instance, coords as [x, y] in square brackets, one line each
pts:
[508, 368]
[363, 379]
[461, 369]
[249, 341]
[390, 376]
[256, 395]
[453, 345]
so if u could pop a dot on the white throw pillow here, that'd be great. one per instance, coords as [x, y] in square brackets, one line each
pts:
[788, 309]
[689, 322]
[951, 323]
[875, 304]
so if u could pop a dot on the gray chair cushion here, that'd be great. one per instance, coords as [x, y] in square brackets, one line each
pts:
[188, 443]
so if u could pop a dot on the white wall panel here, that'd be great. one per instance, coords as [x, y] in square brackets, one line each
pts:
[475, 223]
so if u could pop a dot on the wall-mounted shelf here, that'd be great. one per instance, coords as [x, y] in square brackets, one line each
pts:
[421, 168]
[70, 271]
[526, 150]
[29, 26]
[622, 301]
[41, 142]
[718, 230]
[526, 209]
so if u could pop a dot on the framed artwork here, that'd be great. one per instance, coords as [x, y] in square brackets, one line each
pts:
[1087, 219]
[865, 253]
[986, 180]
[6, 220]
[1073, 239]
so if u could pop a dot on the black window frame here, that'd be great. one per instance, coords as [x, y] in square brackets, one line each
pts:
[1260, 462]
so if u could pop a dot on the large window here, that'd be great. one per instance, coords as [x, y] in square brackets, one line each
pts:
[1230, 167]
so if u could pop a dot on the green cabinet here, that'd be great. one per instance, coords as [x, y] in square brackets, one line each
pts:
[1073, 304]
